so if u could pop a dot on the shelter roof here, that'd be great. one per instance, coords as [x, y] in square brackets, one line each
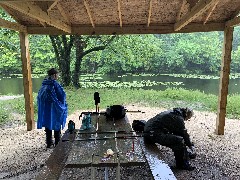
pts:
[120, 16]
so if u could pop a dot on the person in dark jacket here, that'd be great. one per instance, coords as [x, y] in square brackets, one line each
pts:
[52, 107]
[168, 129]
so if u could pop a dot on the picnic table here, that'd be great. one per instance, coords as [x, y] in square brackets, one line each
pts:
[88, 148]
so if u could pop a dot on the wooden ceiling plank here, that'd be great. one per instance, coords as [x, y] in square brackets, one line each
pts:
[233, 22]
[198, 9]
[36, 12]
[12, 25]
[192, 3]
[53, 5]
[62, 12]
[119, 12]
[210, 11]
[236, 13]
[180, 10]
[89, 13]
[149, 13]
[24, 0]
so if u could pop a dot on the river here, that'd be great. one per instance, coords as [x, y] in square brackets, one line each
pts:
[14, 86]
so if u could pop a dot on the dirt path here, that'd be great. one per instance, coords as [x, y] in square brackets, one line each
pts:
[23, 153]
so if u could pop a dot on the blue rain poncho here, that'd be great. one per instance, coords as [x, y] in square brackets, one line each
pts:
[52, 106]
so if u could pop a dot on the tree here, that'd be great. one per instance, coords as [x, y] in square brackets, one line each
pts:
[62, 46]
[84, 46]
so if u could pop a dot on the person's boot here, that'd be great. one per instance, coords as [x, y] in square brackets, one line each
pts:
[184, 166]
[182, 160]
[57, 136]
[49, 140]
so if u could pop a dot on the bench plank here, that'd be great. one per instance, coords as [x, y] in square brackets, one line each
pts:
[56, 161]
[159, 169]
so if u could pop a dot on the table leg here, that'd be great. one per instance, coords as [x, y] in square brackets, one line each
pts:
[118, 169]
[106, 173]
[92, 170]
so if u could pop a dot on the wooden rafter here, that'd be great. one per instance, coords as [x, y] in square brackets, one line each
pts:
[198, 9]
[12, 25]
[210, 11]
[180, 10]
[53, 5]
[62, 12]
[119, 12]
[149, 13]
[9, 11]
[36, 12]
[89, 13]
[233, 22]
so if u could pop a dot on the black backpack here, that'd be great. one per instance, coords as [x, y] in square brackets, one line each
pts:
[116, 112]
[138, 125]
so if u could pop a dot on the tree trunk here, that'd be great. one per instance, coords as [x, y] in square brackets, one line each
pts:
[62, 48]
[79, 56]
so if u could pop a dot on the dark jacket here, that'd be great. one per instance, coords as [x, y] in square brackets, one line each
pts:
[169, 122]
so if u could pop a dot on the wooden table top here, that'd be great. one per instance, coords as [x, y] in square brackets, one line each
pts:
[90, 146]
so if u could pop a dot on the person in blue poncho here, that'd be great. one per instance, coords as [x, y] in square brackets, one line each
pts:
[52, 107]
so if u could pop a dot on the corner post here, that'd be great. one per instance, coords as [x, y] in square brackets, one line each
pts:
[27, 80]
[224, 80]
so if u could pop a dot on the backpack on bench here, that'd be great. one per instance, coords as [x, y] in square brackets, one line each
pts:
[116, 112]
[138, 125]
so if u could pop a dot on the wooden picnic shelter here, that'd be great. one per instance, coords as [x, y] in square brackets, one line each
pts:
[108, 17]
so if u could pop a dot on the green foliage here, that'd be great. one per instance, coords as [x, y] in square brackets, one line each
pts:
[10, 107]
[233, 105]
[4, 115]
[82, 99]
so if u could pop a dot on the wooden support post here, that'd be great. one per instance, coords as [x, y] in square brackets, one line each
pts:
[224, 80]
[27, 80]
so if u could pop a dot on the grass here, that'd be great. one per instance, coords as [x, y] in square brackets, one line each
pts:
[173, 97]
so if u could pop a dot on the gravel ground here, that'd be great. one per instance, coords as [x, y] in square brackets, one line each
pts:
[23, 153]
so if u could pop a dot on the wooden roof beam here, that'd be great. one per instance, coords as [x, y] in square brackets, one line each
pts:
[119, 12]
[149, 13]
[89, 13]
[210, 11]
[36, 12]
[233, 22]
[12, 25]
[128, 29]
[198, 9]
[180, 10]
[9, 12]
